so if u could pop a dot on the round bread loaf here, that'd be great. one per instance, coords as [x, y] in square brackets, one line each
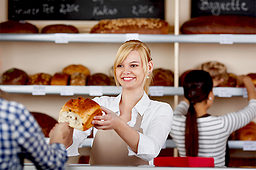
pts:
[60, 79]
[231, 81]
[59, 28]
[217, 70]
[45, 121]
[76, 68]
[247, 132]
[162, 77]
[17, 27]
[77, 79]
[79, 113]
[229, 24]
[182, 77]
[14, 76]
[98, 79]
[40, 79]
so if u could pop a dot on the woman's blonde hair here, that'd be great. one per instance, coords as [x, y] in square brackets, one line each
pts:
[145, 56]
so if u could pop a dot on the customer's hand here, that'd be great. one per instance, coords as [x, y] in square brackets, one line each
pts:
[61, 133]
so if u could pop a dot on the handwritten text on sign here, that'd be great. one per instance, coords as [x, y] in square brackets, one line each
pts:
[84, 9]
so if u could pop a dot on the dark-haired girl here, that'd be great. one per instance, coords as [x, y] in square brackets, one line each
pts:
[197, 133]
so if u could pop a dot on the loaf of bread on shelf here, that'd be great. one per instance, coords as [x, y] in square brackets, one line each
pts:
[231, 81]
[229, 24]
[77, 79]
[162, 77]
[60, 79]
[45, 121]
[247, 132]
[14, 76]
[76, 68]
[18, 27]
[98, 79]
[182, 77]
[79, 113]
[59, 28]
[217, 70]
[132, 25]
[40, 79]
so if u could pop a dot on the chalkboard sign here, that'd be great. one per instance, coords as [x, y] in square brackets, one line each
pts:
[84, 9]
[223, 7]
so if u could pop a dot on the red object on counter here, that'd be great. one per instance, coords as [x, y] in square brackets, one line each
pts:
[184, 162]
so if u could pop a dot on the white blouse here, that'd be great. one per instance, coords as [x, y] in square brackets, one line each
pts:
[156, 125]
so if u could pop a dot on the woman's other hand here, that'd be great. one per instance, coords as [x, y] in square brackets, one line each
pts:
[107, 121]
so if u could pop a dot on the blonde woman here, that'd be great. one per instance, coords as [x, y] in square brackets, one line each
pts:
[134, 128]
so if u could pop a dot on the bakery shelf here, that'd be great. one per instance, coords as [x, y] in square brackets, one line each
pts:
[119, 38]
[110, 90]
[233, 144]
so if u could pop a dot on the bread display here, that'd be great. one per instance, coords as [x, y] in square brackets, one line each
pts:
[59, 28]
[45, 121]
[18, 27]
[40, 79]
[77, 79]
[14, 76]
[76, 68]
[162, 77]
[60, 79]
[132, 25]
[220, 25]
[98, 79]
[79, 113]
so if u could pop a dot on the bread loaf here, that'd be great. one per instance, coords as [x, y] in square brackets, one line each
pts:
[14, 76]
[40, 79]
[162, 77]
[60, 79]
[79, 113]
[253, 77]
[132, 25]
[76, 68]
[77, 79]
[17, 27]
[220, 25]
[98, 79]
[247, 132]
[59, 28]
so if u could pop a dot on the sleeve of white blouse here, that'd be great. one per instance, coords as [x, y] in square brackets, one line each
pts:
[153, 138]
[34, 146]
[236, 120]
[181, 109]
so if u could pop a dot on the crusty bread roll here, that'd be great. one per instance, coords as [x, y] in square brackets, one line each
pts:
[132, 25]
[247, 132]
[76, 68]
[59, 28]
[229, 24]
[162, 77]
[60, 79]
[18, 27]
[40, 79]
[14, 76]
[79, 113]
[98, 79]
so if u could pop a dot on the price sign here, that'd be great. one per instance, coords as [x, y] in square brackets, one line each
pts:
[226, 39]
[222, 92]
[249, 145]
[39, 90]
[67, 91]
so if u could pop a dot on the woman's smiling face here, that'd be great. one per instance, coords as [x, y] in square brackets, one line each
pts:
[130, 73]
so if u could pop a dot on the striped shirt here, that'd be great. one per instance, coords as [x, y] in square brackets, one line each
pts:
[213, 130]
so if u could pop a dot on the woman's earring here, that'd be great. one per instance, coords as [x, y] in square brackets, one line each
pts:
[210, 98]
[147, 77]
